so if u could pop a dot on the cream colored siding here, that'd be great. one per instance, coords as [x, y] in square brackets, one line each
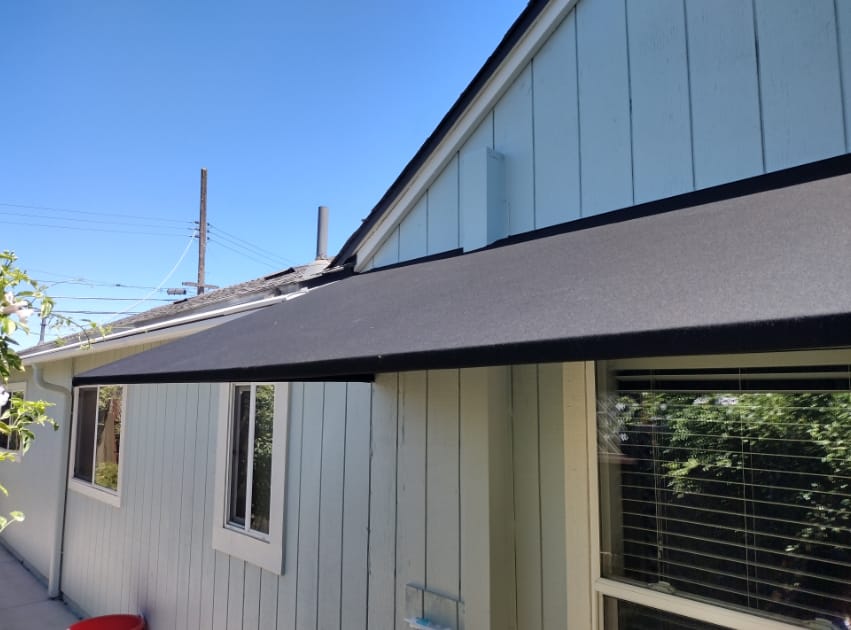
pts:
[631, 101]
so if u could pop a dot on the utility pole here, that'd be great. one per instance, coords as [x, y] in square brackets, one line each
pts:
[202, 232]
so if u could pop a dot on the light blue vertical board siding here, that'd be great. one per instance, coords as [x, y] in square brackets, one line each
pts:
[268, 614]
[129, 454]
[202, 444]
[413, 232]
[802, 105]
[724, 91]
[443, 517]
[443, 210]
[843, 27]
[186, 489]
[138, 435]
[472, 191]
[556, 118]
[382, 515]
[604, 119]
[551, 466]
[512, 127]
[527, 498]
[208, 558]
[311, 471]
[163, 508]
[410, 491]
[251, 599]
[388, 253]
[171, 498]
[220, 591]
[661, 121]
[286, 603]
[236, 585]
[154, 506]
[331, 505]
[356, 507]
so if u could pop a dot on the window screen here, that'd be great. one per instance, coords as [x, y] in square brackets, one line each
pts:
[732, 486]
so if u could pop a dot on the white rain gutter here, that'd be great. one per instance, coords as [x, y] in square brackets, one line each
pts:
[54, 574]
[181, 326]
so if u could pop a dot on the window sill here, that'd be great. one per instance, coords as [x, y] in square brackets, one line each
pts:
[257, 551]
[93, 492]
[686, 607]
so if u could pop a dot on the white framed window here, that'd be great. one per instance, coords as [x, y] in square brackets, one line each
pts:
[251, 473]
[10, 442]
[721, 492]
[95, 463]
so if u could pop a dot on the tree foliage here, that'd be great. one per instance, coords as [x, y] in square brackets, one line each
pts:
[21, 297]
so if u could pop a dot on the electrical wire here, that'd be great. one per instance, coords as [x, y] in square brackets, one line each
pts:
[84, 281]
[98, 312]
[164, 280]
[105, 299]
[245, 255]
[102, 214]
[99, 221]
[275, 260]
[90, 229]
[234, 237]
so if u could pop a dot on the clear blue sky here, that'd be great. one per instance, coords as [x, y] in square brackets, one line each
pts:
[109, 109]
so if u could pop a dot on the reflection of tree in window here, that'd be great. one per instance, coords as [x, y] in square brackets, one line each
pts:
[10, 441]
[97, 429]
[251, 457]
[740, 497]
[108, 436]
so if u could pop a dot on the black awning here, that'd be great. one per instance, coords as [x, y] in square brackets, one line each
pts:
[770, 270]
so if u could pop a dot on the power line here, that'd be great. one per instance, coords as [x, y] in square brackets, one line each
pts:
[234, 237]
[236, 248]
[84, 281]
[98, 312]
[103, 214]
[164, 280]
[88, 229]
[105, 299]
[245, 255]
[98, 221]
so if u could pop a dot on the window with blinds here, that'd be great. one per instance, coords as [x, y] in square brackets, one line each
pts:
[731, 486]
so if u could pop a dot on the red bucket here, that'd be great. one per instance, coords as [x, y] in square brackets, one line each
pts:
[111, 622]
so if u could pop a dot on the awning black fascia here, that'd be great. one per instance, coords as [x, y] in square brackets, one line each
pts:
[767, 270]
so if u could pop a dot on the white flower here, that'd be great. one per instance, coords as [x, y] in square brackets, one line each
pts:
[4, 396]
[24, 314]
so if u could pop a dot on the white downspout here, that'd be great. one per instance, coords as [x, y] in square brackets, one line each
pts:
[55, 572]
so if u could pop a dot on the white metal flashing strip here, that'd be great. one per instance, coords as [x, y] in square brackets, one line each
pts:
[497, 84]
[175, 327]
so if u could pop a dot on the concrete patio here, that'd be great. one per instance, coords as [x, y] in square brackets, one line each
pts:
[24, 604]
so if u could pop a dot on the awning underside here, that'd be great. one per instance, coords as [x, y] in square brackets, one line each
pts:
[762, 271]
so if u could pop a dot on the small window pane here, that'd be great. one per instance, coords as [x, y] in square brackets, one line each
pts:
[261, 487]
[9, 442]
[108, 437]
[86, 416]
[622, 615]
[239, 454]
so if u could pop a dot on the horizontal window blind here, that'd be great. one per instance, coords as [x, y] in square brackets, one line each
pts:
[732, 486]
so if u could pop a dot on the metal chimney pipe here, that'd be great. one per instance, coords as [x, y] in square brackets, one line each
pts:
[322, 234]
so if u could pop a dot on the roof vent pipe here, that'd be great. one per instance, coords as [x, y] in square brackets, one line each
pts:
[322, 234]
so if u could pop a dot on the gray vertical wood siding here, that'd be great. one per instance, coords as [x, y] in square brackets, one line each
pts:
[376, 485]
[635, 100]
